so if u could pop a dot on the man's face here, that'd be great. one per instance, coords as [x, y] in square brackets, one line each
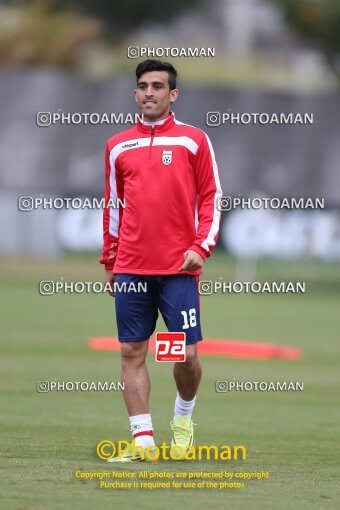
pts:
[154, 96]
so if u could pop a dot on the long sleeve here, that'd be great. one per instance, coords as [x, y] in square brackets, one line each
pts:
[209, 190]
[111, 215]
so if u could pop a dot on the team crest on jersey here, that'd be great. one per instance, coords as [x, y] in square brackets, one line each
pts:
[167, 157]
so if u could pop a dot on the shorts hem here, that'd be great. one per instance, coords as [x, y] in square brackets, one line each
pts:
[142, 339]
[192, 342]
[138, 339]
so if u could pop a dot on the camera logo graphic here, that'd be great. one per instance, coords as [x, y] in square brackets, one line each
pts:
[43, 387]
[133, 52]
[213, 119]
[224, 203]
[25, 204]
[221, 386]
[46, 288]
[170, 347]
[44, 119]
[205, 287]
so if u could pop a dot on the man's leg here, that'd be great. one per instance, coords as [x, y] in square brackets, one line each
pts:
[179, 305]
[187, 377]
[188, 374]
[136, 315]
[135, 377]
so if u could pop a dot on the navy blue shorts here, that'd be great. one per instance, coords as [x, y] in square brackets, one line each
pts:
[138, 299]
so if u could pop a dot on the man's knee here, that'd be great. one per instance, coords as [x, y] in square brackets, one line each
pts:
[191, 358]
[134, 352]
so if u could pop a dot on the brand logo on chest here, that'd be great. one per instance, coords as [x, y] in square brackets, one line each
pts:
[167, 157]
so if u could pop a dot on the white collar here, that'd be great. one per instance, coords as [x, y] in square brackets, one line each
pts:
[157, 123]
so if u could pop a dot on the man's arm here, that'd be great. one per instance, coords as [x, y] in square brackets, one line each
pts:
[208, 190]
[111, 218]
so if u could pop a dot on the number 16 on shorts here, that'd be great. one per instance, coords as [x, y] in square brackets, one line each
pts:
[170, 346]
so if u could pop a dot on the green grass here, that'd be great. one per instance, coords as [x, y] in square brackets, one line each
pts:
[46, 438]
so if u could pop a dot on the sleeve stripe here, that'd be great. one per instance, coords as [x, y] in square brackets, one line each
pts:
[114, 212]
[210, 240]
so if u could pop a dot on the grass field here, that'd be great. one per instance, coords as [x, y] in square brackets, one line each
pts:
[46, 438]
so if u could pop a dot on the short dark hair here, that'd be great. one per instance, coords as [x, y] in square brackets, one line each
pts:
[157, 65]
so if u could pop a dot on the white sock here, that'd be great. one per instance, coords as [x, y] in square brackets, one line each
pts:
[141, 429]
[183, 407]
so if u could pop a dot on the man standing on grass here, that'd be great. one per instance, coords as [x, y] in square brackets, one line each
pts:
[166, 173]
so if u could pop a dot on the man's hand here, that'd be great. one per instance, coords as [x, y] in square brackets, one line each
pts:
[192, 261]
[110, 278]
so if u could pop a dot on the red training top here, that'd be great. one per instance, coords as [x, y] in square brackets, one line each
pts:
[167, 177]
